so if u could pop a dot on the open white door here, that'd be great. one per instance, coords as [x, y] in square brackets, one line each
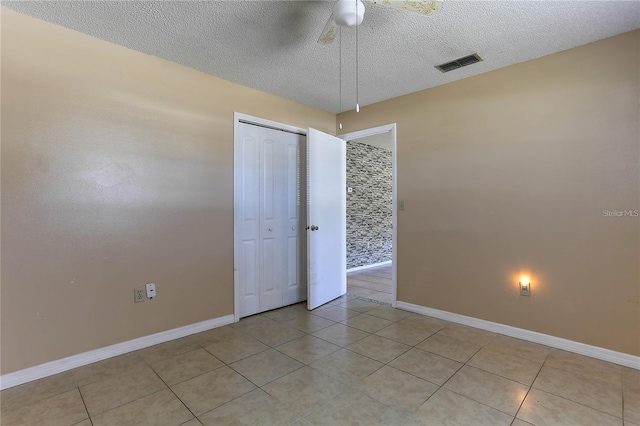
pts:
[326, 218]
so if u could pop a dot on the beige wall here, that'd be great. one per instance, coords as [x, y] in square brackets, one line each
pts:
[116, 171]
[509, 172]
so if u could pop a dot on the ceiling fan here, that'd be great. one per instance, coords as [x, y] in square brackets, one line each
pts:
[350, 13]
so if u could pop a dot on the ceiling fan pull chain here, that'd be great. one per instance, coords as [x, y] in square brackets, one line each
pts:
[340, 79]
[357, 88]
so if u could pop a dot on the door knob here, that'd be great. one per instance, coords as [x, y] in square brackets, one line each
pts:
[306, 228]
[314, 228]
[270, 229]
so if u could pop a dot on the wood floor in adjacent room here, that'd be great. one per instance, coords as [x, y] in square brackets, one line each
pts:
[373, 283]
[349, 362]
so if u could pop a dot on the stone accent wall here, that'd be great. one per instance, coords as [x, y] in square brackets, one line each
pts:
[369, 214]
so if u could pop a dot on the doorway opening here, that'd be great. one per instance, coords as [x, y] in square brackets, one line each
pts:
[371, 214]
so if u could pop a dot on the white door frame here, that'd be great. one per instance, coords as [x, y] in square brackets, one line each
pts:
[394, 197]
[239, 118]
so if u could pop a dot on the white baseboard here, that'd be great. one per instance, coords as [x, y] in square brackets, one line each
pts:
[373, 265]
[54, 367]
[531, 336]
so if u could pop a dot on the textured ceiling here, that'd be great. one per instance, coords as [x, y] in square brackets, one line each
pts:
[272, 45]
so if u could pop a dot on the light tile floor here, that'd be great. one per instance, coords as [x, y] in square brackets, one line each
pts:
[374, 284]
[348, 362]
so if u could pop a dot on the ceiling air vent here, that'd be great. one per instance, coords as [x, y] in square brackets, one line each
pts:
[459, 63]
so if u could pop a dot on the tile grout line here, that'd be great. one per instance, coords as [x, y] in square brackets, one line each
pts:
[530, 387]
[460, 368]
[329, 399]
[202, 374]
[571, 400]
[148, 364]
[406, 372]
[126, 403]
[346, 347]
[84, 403]
[207, 372]
[622, 394]
[275, 349]
[504, 377]
[253, 383]
[420, 378]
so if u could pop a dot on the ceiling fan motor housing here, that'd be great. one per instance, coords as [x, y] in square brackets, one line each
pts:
[348, 12]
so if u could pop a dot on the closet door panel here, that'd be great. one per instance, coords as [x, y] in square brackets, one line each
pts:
[295, 291]
[248, 224]
[271, 222]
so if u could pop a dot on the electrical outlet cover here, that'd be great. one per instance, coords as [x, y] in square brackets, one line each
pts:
[138, 294]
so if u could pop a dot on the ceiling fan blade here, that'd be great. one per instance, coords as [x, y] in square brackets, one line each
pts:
[330, 32]
[423, 7]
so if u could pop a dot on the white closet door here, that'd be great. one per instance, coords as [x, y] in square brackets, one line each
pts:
[268, 219]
